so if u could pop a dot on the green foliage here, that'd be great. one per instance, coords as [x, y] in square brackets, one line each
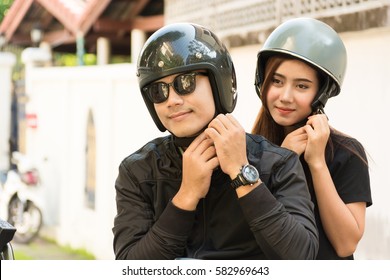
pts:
[19, 255]
[4, 6]
[69, 59]
[47, 249]
[81, 254]
[120, 59]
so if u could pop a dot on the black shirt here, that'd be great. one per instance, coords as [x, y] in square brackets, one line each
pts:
[351, 178]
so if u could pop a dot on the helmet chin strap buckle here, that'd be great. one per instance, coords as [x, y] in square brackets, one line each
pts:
[319, 110]
[319, 104]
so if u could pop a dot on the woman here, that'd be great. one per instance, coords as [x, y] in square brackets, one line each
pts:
[300, 66]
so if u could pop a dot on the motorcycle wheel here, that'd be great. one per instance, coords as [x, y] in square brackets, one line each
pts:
[26, 218]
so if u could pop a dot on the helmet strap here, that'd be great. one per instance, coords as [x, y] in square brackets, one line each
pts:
[324, 93]
[183, 142]
[257, 83]
[319, 104]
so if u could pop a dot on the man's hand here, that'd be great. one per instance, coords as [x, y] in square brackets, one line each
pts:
[230, 143]
[199, 161]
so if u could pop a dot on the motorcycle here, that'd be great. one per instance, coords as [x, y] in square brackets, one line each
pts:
[7, 232]
[20, 199]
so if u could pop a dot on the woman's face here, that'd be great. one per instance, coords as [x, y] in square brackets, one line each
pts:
[292, 89]
[187, 115]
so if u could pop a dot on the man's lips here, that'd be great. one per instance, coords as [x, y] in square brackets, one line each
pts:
[178, 115]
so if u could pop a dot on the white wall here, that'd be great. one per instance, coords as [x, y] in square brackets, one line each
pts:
[61, 97]
[7, 61]
[362, 111]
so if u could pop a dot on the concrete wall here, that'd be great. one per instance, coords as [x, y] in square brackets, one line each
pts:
[7, 61]
[62, 97]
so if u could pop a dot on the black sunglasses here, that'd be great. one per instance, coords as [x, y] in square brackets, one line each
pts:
[183, 84]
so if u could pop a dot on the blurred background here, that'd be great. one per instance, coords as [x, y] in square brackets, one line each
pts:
[70, 102]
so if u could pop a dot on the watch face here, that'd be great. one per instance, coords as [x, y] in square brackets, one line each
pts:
[250, 173]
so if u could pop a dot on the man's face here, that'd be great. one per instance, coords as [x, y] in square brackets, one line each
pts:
[186, 115]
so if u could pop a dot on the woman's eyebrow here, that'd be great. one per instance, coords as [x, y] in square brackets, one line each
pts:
[296, 79]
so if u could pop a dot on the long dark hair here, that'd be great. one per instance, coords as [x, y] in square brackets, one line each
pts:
[266, 126]
[264, 123]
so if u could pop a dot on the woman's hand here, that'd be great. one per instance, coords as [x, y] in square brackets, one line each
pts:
[318, 131]
[310, 139]
[296, 141]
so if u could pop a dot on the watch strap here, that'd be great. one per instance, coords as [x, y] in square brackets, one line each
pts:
[237, 182]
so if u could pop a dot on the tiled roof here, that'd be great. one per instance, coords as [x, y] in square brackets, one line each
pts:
[63, 20]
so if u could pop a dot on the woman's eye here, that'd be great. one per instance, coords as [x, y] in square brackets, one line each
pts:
[302, 86]
[276, 81]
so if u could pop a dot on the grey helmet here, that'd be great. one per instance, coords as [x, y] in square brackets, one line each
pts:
[314, 42]
[185, 47]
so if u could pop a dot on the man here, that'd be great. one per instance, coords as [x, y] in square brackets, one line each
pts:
[208, 190]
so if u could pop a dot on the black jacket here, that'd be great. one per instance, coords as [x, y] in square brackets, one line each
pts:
[274, 221]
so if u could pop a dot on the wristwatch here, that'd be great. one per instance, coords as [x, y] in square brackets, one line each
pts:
[248, 175]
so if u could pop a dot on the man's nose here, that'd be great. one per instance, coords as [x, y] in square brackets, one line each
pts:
[173, 97]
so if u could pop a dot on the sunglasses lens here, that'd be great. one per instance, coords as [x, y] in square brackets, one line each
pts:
[184, 84]
[158, 92]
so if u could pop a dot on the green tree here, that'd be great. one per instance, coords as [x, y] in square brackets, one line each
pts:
[4, 6]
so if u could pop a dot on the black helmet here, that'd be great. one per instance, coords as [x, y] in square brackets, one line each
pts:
[185, 47]
[314, 42]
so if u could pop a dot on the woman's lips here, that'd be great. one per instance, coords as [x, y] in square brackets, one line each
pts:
[284, 111]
